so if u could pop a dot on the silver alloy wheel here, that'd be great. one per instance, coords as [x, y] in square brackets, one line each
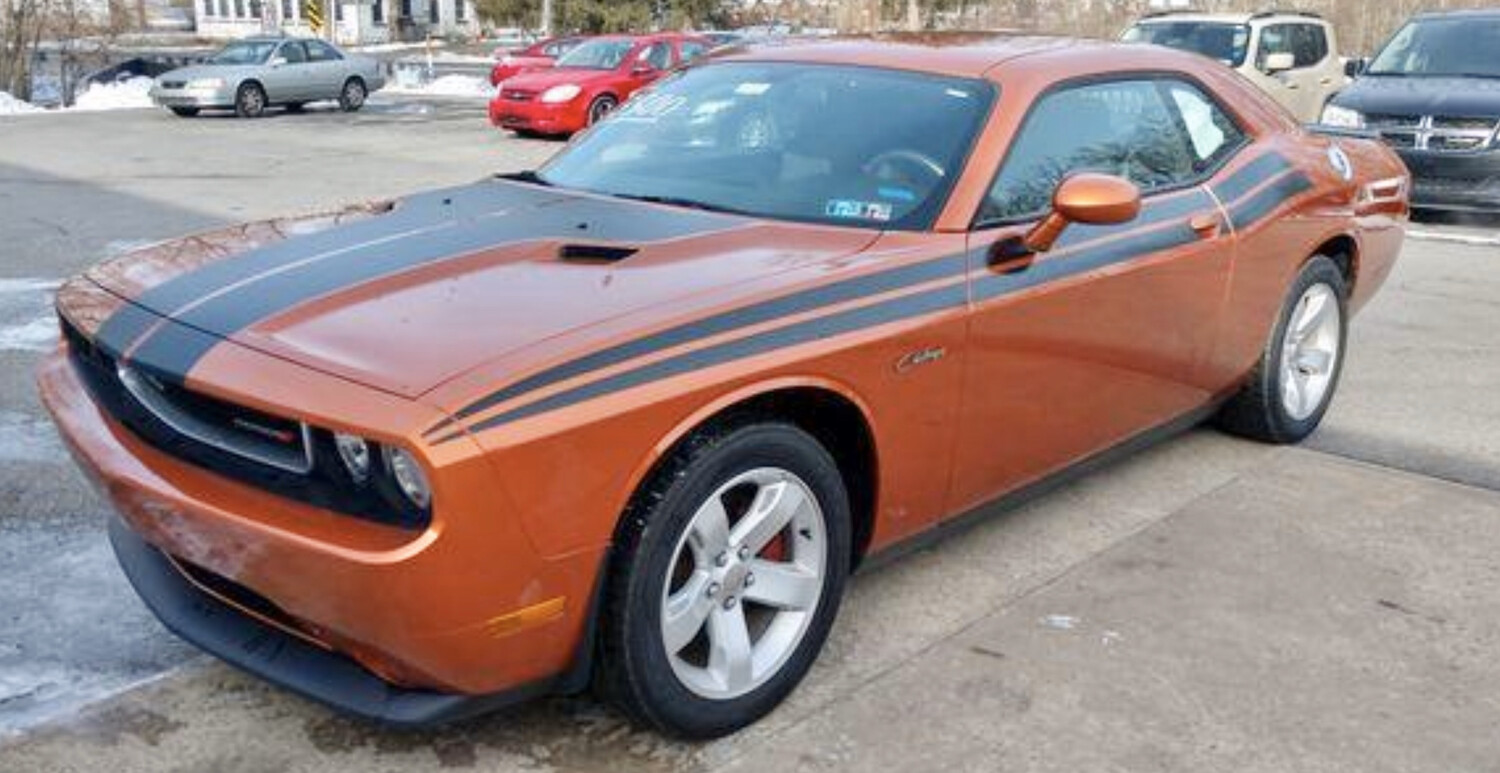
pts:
[354, 95]
[253, 101]
[600, 108]
[744, 582]
[1310, 351]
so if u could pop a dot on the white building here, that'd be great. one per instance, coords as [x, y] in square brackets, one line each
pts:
[352, 22]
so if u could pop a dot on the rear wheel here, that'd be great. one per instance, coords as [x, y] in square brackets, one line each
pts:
[352, 96]
[1293, 383]
[250, 101]
[726, 580]
[185, 112]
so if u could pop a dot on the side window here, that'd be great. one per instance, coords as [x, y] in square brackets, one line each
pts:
[293, 53]
[1275, 39]
[1123, 128]
[318, 51]
[689, 50]
[1309, 45]
[1212, 134]
[659, 55]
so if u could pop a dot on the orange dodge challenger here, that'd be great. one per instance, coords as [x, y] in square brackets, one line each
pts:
[631, 419]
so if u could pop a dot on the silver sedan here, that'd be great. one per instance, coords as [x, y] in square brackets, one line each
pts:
[249, 75]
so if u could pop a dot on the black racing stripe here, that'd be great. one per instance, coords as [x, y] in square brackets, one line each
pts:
[168, 359]
[122, 328]
[893, 310]
[265, 296]
[1116, 251]
[1154, 210]
[1248, 212]
[1249, 176]
[765, 311]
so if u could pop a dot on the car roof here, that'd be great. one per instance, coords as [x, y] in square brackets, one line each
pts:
[1460, 13]
[962, 54]
[1264, 17]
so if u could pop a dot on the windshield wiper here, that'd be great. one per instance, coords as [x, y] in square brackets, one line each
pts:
[528, 176]
[674, 201]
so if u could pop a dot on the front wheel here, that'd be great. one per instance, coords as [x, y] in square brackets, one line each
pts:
[352, 96]
[1293, 383]
[602, 105]
[250, 101]
[727, 577]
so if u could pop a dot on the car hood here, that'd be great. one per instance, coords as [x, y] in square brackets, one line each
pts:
[1455, 97]
[207, 71]
[541, 80]
[405, 297]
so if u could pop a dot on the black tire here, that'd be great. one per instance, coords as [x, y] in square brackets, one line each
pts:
[352, 95]
[250, 100]
[1258, 410]
[185, 112]
[295, 107]
[634, 671]
[602, 105]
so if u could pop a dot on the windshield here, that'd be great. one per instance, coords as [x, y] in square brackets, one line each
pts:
[814, 143]
[597, 55]
[1442, 47]
[243, 52]
[1215, 40]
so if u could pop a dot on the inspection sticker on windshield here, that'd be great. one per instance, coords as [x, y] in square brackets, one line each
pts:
[752, 89]
[858, 210]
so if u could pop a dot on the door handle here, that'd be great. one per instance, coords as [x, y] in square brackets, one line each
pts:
[1206, 224]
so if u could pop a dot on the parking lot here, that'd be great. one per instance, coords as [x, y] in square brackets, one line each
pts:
[1208, 604]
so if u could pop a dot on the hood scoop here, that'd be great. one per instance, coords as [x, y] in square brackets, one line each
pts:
[594, 253]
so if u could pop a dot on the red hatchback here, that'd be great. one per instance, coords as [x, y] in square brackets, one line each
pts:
[589, 81]
[540, 55]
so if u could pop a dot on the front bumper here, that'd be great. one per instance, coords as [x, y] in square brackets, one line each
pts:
[402, 627]
[540, 117]
[205, 98]
[1461, 182]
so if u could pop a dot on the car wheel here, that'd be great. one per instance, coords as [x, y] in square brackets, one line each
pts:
[295, 107]
[250, 101]
[185, 112]
[1298, 371]
[600, 107]
[352, 97]
[726, 577]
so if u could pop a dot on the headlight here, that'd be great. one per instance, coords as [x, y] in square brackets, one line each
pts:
[1333, 115]
[206, 83]
[354, 452]
[409, 476]
[561, 93]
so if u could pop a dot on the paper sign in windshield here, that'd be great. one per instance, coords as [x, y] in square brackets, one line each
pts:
[851, 209]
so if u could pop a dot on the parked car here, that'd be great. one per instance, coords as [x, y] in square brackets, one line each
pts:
[539, 56]
[1291, 55]
[1431, 93]
[589, 81]
[250, 75]
[633, 417]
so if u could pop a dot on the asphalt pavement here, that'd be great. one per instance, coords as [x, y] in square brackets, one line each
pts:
[1209, 604]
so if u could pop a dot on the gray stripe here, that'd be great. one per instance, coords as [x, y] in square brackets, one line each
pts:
[1253, 209]
[1249, 176]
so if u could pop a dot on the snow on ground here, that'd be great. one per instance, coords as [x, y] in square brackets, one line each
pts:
[376, 48]
[467, 86]
[9, 105]
[120, 95]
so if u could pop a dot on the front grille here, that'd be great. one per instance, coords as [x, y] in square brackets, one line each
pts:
[517, 95]
[1401, 139]
[234, 441]
[1464, 124]
[1445, 143]
[1434, 133]
[173, 84]
[1391, 120]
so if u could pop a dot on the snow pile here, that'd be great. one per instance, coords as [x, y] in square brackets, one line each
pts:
[120, 95]
[467, 86]
[9, 105]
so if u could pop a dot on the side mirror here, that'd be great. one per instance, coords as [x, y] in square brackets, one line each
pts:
[642, 68]
[1279, 62]
[277, 61]
[1356, 67]
[1088, 198]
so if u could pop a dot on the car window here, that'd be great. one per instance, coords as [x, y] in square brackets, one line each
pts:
[1309, 45]
[1441, 47]
[1212, 134]
[658, 55]
[1275, 39]
[1224, 42]
[318, 51]
[1122, 128]
[293, 53]
[689, 50]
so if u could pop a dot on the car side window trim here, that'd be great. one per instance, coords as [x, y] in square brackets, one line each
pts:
[1163, 79]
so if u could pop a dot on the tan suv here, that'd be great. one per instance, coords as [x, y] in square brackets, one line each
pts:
[1292, 56]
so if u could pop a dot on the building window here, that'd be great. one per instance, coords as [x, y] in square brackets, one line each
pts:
[287, 14]
[338, 10]
[239, 9]
[406, 9]
[377, 12]
[255, 9]
[460, 10]
[432, 11]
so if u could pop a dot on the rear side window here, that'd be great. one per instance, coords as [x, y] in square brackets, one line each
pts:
[1212, 135]
[1275, 39]
[1309, 44]
[293, 53]
[318, 51]
[690, 50]
[1125, 128]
